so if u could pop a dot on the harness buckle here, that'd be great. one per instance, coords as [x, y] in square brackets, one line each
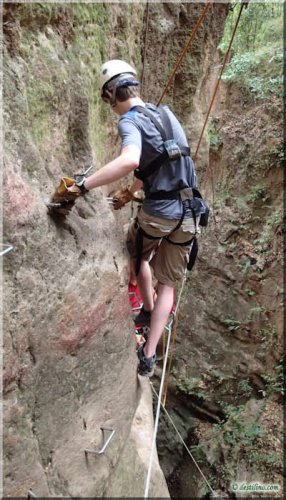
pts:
[172, 149]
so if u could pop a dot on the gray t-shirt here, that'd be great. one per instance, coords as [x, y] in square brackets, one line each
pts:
[137, 129]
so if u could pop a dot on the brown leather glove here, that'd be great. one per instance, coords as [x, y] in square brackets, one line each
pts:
[121, 197]
[64, 197]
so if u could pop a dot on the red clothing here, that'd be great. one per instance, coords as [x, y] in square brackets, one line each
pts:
[134, 296]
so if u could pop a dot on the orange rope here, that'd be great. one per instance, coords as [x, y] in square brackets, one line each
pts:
[183, 52]
[218, 81]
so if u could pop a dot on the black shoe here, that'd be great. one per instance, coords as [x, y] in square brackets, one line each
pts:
[146, 366]
[143, 318]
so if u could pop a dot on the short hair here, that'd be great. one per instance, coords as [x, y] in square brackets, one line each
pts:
[124, 93]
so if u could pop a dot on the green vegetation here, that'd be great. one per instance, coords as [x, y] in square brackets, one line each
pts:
[274, 381]
[232, 324]
[245, 387]
[273, 459]
[238, 429]
[255, 311]
[237, 437]
[273, 223]
[246, 265]
[63, 47]
[190, 386]
[213, 133]
[257, 61]
[257, 192]
[198, 451]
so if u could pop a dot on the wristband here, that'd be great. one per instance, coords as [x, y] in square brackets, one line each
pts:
[83, 188]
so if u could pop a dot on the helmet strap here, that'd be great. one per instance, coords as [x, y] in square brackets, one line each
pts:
[121, 81]
[113, 97]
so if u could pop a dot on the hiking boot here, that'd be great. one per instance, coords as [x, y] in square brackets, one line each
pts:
[143, 318]
[146, 366]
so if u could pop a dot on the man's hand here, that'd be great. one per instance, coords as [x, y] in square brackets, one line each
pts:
[120, 198]
[64, 197]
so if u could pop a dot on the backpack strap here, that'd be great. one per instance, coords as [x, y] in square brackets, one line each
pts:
[145, 111]
[168, 138]
[166, 122]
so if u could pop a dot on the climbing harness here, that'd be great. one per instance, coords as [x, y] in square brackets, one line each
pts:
[196, 204]
[172, 150]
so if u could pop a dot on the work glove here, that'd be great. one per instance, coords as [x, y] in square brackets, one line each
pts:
[67, 192]
[121, 197]
[64, 196]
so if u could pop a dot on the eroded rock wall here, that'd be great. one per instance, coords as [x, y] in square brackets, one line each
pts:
[69, 364]
[228, 361]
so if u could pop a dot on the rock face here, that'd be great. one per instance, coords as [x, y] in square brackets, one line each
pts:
[70, 365]
[229, 348]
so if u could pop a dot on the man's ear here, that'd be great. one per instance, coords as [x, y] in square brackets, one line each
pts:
[109, 94]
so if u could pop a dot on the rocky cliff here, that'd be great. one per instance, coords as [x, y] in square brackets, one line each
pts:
[228, 360]
[69, 364]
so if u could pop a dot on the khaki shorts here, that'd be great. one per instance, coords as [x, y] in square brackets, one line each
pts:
[168, 261]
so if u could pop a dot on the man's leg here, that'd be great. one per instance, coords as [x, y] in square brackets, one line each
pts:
[159, 317]
[144, 281]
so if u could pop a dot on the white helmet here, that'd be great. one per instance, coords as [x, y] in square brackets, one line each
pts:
[113, 68]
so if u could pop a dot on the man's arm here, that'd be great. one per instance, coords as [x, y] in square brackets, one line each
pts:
[136, 186]
[126, 162]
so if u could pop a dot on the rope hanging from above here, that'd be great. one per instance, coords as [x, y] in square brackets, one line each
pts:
[185, 49]
[163, 387]
[244, 4]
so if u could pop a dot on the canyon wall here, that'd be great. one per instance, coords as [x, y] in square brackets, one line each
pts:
[70, 363]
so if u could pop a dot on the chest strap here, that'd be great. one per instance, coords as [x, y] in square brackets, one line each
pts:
[167, 136]
[157, 163]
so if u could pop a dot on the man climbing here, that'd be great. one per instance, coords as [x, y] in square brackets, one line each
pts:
[155, 148]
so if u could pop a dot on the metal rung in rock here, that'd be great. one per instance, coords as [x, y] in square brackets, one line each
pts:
[170, 323]
[31, 495]
[105, 443]
[6, 249]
